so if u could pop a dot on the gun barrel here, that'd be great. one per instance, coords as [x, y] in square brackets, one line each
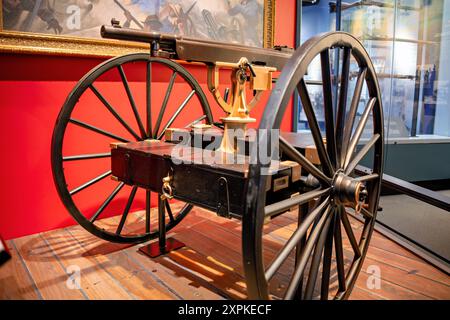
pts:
[200, 50]
[109, 32]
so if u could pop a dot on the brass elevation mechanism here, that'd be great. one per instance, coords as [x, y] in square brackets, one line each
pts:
[236, 107]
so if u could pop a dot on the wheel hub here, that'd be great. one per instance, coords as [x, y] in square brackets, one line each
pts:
[348, 191]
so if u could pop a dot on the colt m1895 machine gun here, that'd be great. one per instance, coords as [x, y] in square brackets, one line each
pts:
[311, 175]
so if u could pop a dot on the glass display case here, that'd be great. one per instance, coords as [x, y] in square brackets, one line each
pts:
[404, 39]
[409, 44]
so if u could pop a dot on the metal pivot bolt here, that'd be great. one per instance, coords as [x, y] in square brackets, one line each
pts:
[349, 192]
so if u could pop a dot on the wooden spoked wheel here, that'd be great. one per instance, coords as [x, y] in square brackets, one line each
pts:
[90, 121]
[323, 255]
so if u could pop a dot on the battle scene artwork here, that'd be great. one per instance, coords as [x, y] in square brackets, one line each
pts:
[235, 21]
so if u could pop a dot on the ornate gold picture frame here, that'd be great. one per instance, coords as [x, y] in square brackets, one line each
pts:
[49, 43]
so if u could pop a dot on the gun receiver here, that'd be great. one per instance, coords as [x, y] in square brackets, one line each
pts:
[206, 51]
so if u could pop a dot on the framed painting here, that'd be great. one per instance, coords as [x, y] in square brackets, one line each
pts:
[72, 27]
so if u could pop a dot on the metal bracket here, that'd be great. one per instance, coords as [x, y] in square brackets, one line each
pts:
[223, 196]
[163, 246]
[260, 80]
[237, 109]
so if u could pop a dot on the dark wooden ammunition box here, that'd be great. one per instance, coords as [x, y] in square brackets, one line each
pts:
[195, 178]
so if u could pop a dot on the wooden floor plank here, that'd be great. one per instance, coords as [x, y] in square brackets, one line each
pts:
[15, 281]
[180, 281]
[412, 282]
[133, 278]
[96, 282]
[411, 266]
[159, 271]
[213, 273]
[408, 289]
[388, 290]
[379, 241]
[48, 274]
[402, 291]
[210, 267]
[222, 253]
[364, 294]
[229, 239]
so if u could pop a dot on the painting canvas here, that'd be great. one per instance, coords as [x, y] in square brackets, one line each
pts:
[236, 21]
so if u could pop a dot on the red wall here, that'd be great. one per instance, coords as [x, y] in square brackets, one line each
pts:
[32, 91]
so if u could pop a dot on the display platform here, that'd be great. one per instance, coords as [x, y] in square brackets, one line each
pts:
[50, 265]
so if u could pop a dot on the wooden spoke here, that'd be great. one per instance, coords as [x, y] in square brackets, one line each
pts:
[164, 105]
[366, 213]
[315, 262]
[97, 130]
[315, 130]
[107, 202]
[187, 207]
[327, 255]
[132, 102]
[311, 242]
[114, 112]
[149, 99]
[328, 105]
[294, 240]
[87, 156]
[353, 109]
[342, 106]
[360, 155]
[316, 221]
[126, 211]
[296, 156]
[193, 123]
[338, 248]
[358, 132]
[147, 210]
[303, 211]
[175, 115]
[169, 211]
[90, 183]
[285, 205]
[368, 177]
[349, 231]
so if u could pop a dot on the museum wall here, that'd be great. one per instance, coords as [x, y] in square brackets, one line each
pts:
[32, 90]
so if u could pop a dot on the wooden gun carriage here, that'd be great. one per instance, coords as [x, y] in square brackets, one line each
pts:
[313, 174]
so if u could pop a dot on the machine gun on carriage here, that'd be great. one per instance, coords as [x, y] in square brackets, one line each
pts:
[316, 174]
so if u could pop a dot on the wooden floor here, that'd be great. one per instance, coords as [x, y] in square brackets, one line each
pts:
[208, 268]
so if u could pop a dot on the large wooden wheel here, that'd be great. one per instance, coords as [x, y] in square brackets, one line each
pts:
[326, 205]
[81, 139]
